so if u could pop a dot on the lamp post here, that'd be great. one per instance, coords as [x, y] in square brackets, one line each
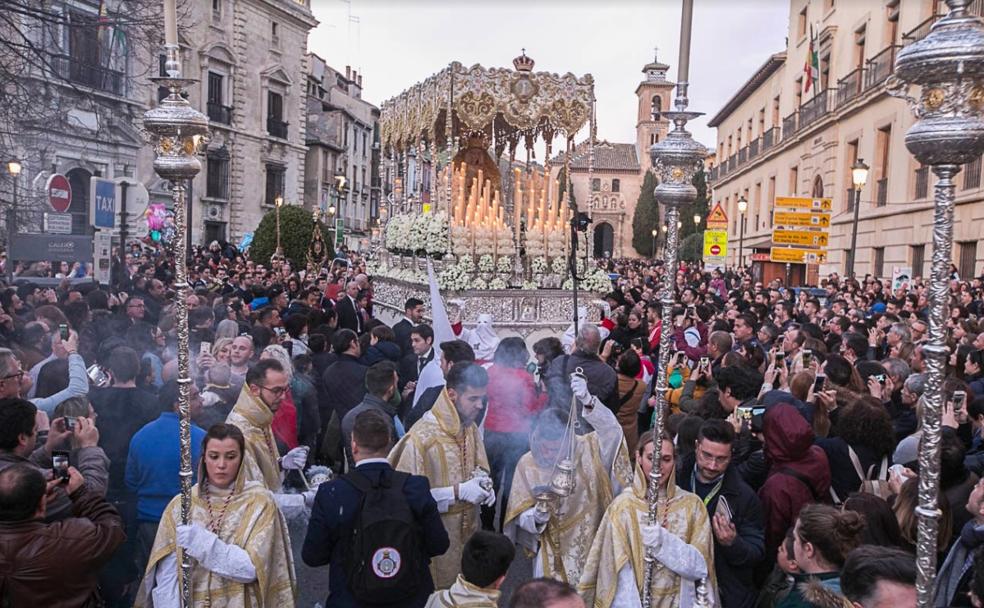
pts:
[14, 167]
[947, 69]
[742, 208]
[859, 176]
[655, 233]
[278, 253]
[331, 224]
[179, 134]
[676, 159]
[696, 220]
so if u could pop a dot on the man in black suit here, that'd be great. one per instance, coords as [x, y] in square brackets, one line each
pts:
[413, 316]
[338, 503]
[421, 353]
[453, 352]
[347, 309]
[343, 387]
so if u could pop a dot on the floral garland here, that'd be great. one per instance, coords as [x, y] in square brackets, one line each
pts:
[418, 233]
[538, 265]
[486, 263]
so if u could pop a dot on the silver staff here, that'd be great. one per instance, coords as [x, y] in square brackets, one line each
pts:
[179, 133]
[675, 159]
[947, 68]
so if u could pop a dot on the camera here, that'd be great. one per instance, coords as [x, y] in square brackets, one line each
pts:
[881, 379]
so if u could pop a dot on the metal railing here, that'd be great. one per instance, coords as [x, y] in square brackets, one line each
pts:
[919, 32]
[96, 77]
[277, 128]
[770, 138]
[219, 113]
[816, 108]
[880, 66]
[922, 182]
[849, 86]
[972, 174]
[742, 156]
[881, 192]
[789, 127]
[753, 148]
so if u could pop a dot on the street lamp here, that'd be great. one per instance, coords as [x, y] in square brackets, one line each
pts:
[742, 208]
[278, 254]
[14, 167]
[696, 219]
[331, 223]
[655, 234]
[859, 175]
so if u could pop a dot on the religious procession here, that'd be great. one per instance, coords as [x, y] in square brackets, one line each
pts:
[457, 350]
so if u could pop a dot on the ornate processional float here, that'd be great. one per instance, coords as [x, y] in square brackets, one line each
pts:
[496, 228]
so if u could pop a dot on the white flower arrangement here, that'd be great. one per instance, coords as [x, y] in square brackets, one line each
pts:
[479, 283]
[559, 265]
[497, 283]
[530, 285]
[486, 263]
[454, 278]
[538, 265]
[595, 280]
[467, 263]
[437, 233]
[504, 264]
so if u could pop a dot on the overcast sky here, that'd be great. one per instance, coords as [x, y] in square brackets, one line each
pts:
[397, 43]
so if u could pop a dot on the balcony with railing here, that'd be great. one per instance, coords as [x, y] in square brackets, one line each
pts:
[849, 87]
[922, 182]
[712, 174]
[789, 127]
[219, 113]
[919, 32]
[972, 174]
[277, 128]
[770, 138]
[880, 66]
[78, 72]
[816, 108]
[753, 148]
[732, 162]
[881, 192]
[742, 156]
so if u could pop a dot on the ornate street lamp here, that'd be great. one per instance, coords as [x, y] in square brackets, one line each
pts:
[742, 208]
[278, 254]
[655, 234]
[14, 167]
[947, 70]
[859, 176]
[675, 160]
[696, 219]
[179, 133]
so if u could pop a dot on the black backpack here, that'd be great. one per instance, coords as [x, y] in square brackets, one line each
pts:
[384, 553]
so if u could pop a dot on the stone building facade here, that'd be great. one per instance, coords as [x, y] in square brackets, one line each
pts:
[607, 183]
[776, 138]
[342, 162]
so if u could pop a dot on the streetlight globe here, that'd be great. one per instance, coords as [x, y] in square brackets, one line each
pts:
[742, 205]
[655, 232]
[665, 228]
[859, 174]
[679, 224]
[331, 210]
[696, 219]
[14, 167]
[278, 201]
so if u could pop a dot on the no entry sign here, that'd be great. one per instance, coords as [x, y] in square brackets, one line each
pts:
[59, 193]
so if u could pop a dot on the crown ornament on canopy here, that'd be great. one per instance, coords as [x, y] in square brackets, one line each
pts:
[523, 63]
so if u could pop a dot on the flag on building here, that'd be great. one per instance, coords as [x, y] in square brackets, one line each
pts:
[812, 66]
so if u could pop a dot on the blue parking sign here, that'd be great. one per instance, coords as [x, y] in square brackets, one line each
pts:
[103, 203]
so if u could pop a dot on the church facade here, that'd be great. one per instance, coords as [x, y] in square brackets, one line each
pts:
[607, 182]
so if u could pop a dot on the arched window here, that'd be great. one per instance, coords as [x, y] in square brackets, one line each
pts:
[817, 187]
[616, 185]
[657, 106]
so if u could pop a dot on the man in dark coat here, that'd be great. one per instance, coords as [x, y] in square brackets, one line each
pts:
[344, 382]
[734, 509]
[413, 316]
[347, 309]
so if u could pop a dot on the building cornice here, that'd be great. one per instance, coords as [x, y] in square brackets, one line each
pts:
[768, 68]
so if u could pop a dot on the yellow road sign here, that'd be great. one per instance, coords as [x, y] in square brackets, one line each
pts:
[715, 244]
[799, 237]
[791, 255]
[815, 204]
[801, 218]
[717, 217]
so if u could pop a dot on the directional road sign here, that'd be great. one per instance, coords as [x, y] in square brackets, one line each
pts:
[815, 204]
[799, 237]
[792, 255]
[801, 218]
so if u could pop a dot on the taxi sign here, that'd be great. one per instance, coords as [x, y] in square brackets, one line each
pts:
[800, 237]
[791, 255]
[815, 204]
[801, 218]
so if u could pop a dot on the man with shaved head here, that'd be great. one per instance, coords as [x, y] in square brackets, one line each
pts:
[602, 381]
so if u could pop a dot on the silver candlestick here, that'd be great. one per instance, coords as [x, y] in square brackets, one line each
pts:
[179, 134]
[946, 68]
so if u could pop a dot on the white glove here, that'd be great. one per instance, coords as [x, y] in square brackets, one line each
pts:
[309, 497]
[195, 539]
[652, 536]
[490, 501]
[541, 517]
[473, 492]
[579, 387]
[295, 459]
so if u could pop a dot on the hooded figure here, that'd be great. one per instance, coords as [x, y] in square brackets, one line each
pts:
[483, 339]
[799, 473]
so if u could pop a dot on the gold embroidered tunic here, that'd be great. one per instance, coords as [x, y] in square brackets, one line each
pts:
[253, 418]
[463, 594]
[441, 449]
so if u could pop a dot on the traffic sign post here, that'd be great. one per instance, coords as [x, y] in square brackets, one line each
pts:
[59, 191]
[58, 223]
[102, 211]
[815, 204]
[799, 218]
[802, 224]
[715, 248]
[793, 255]
[806, 238]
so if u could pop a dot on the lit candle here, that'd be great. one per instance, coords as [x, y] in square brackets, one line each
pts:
[170, 22]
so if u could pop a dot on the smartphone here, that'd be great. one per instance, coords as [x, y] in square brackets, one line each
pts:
[897, 469]
[818, 383]
[823, 322]
[780, 357]
[757, 423]
[959, 400]
[70, 423]
[807, 357]
[205, 348]
[723, 508]
[63, 331]
[705, 363]
[880, 378]
[59, 465]
[691, 311]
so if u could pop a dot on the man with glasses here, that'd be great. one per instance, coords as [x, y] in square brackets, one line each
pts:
[734, 509]
[266, 385]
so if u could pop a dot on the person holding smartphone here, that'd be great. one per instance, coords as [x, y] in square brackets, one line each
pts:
[734, 510]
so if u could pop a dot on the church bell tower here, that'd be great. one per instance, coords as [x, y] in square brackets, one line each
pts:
[654, 94]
